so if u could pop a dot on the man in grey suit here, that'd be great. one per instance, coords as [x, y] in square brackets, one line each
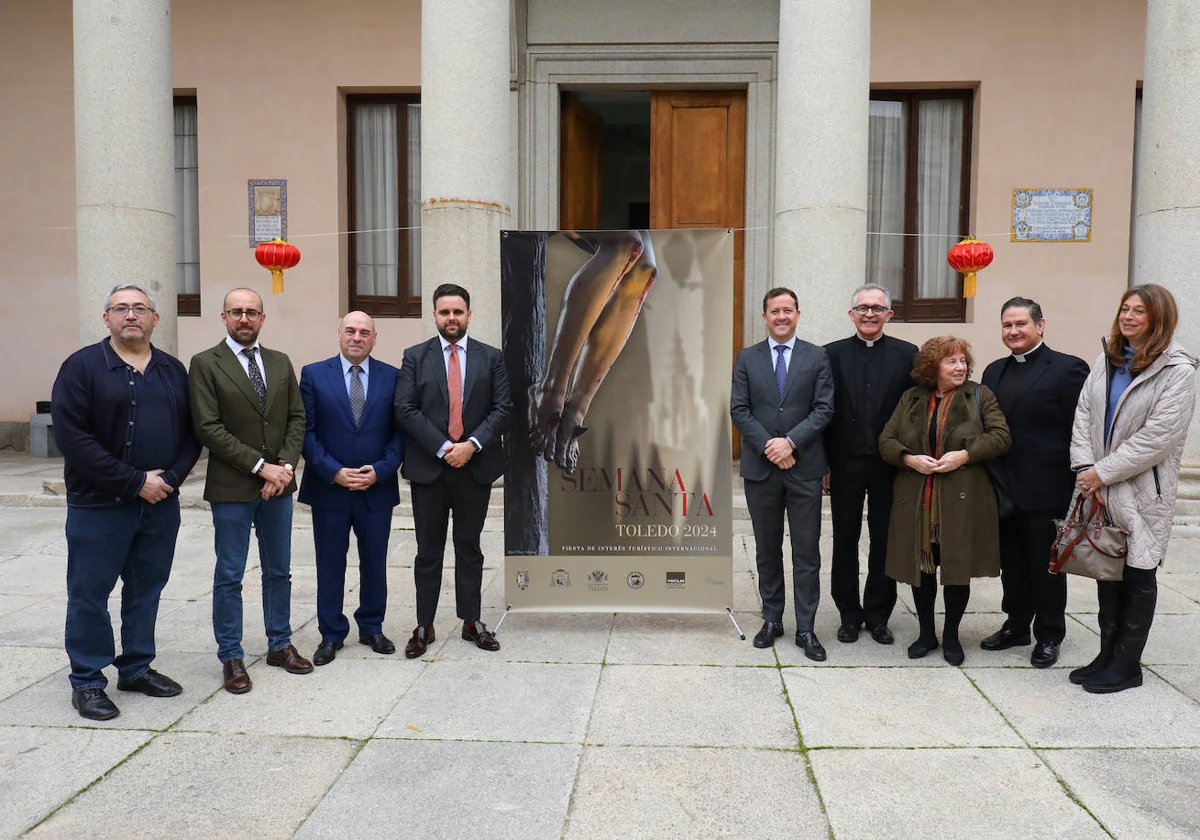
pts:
[782, 401]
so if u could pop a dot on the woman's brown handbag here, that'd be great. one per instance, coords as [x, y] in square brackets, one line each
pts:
[1089, 544]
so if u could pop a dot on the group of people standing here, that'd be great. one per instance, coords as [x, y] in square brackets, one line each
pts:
[845, 419]
[131, 422]
[927, 459]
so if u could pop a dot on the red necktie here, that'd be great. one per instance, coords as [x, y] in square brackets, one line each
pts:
[454, 385]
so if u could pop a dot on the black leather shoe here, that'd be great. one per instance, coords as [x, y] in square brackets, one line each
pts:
[152, 684]
[922, 646]
[94, 704]
[811, 645]
[378, 643]
[881, 634]
[771, 630]
[326, 652]
[1003, 639]
[422, 637]
[477, 632]
[1044, 654]
[847, 633]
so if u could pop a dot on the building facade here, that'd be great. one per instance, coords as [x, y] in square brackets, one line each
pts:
[847, 141]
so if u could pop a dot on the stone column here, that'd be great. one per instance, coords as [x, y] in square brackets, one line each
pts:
[124, 158]
[822, 109]
[1167, 238]
[466, 159]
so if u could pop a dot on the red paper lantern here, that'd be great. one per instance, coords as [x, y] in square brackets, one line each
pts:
[275, 256]
[968, 257]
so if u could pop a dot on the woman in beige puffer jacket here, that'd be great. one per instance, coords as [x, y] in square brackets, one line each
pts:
[1127, 443]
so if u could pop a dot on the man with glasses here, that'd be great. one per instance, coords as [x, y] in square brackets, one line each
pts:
[122, 420]
[870, 372]
[247, 410]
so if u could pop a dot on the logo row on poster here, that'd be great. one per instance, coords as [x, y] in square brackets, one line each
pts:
[597, 580]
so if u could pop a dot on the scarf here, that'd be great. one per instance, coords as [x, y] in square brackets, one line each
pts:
[931, 493]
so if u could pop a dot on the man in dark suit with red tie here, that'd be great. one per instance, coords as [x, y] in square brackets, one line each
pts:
[352, 452]
[452, 400]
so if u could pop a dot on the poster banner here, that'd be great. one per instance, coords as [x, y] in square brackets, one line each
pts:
[617, 495]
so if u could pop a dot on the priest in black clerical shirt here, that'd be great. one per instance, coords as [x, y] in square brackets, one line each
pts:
[1037, 389]
[870, 372]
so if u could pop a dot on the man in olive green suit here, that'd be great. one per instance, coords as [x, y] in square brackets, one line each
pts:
[250, 416]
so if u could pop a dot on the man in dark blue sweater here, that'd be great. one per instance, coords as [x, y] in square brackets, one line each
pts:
[123, 423]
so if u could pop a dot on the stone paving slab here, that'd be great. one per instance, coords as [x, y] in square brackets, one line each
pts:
[347, 698]
[495, 701]
[879, 707]
[1054, 713]
[35, 574]
[1135, 793]
[539, 637]
[952, 794]
[624, 792]
[686, 705]
[1174, 640]
[1184, 678]
[48, 701]
[689, 639]
[440, 789]
[25, 666]
[41, 768]
[212, 786]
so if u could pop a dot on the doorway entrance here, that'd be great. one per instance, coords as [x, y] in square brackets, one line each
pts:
[662, 159]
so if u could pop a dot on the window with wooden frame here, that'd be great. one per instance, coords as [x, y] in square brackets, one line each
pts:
[918, 202]
[187, 207]
[383, 156]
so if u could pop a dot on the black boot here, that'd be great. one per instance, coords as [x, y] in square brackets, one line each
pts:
[925, 598]
[1137, 614]
[1108, 595]
[956, 598]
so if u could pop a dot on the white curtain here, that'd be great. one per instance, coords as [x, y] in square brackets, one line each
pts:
[376, 200]
[888, 129]
[939, 194]
[187, 201]
[414, 200]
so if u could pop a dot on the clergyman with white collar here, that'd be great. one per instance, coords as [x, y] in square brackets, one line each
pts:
[870, 373]
[1037, 389]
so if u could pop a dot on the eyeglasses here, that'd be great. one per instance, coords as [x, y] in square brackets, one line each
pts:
[121, 310]
[874, 310]
[237, 314]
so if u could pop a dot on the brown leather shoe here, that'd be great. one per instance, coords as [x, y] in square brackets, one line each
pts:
[422, 637]
[290, 660]
[477, 632]
[237, 681]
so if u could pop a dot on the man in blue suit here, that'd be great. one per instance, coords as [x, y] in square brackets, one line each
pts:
[352, 452]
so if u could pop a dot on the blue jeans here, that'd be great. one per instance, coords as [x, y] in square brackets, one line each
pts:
[134, 543]
[272, 521]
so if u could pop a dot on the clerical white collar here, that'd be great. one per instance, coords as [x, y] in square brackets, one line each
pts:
[1022, 358]
[870, 342]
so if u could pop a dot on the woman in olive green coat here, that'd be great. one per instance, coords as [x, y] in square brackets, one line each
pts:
[943, 507]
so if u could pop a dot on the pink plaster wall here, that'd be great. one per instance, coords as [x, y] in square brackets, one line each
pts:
[1056, 86]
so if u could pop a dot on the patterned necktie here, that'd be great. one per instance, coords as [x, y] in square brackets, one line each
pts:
[256, 378]
[357, 398]
[454, 386]
[780, 370]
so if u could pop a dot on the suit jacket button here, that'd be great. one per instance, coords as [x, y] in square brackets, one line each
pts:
[962, 495]
[781, 408]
